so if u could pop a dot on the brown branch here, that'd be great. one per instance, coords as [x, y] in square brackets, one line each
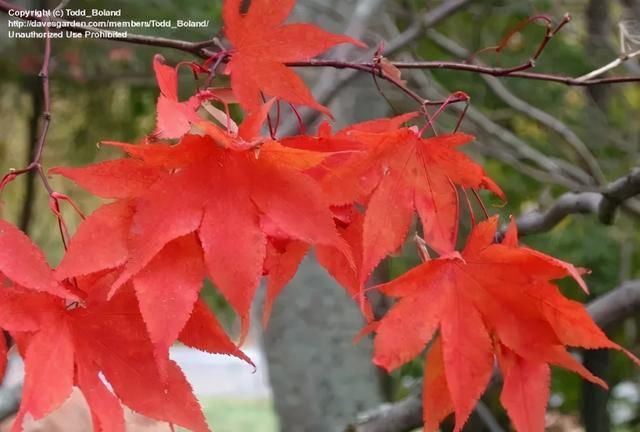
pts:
[402, 416]
[515, 152]
[616, 305]
[467, 67]
[406, 415]
[36, 163]
[35, 94]
[200, 49]
[326, 94]
[520, 105]
[603, 204]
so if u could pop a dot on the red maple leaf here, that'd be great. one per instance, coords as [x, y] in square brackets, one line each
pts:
[491, 300]
[224, 194]
[73, 344]
[203, 332]
[86, 252]
[175, 273]
[401, 172]
[173, 117]
[282, 261]
[113, 339]
[339, 147]
[24, 264]
[261, 46]
[339, 266]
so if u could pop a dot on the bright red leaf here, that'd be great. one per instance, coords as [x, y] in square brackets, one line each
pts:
[48, 364]
[203, 332]
[233, 195]
[106, 411]
[24, 264]
[113, 336]
[525, 390]
[401, 173]
[167, 289]
[492, 298]
[280, 265]
[261, 46]
[174, 118]
[87, 252]
[119, 178]
[74, 344]
[231, 205]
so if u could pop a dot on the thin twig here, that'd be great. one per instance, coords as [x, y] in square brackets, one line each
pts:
[36, 163]
[550, 32]
[517, 151]
[466, 67]
[196, 48]
[606, 68]
[544, 118]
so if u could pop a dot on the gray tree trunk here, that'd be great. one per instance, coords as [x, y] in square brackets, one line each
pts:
[632, 9]
[595, 414]
[320, 379]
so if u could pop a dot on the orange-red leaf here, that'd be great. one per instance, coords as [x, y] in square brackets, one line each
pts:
[401, 173]
[234, 195]
[261, 46]
[386, 222]
[492, 299]
[280, 267]
[525, 391]
[48, 372]
[88, 252]
[234, 246]
[106, 411]
[119, 178]
[436, 398]
[114, 338]
[167, 289]
[24, 264]
[173, 118]
[17, 307]
[467, 353]
[204, 332]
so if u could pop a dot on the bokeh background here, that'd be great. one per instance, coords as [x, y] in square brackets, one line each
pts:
[536, 139]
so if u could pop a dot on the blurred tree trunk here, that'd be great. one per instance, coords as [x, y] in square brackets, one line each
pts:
[595, 414]
[632, 9]
[320, 379]
[598, 36]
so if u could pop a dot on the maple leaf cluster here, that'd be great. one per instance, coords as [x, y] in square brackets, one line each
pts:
[204, 197]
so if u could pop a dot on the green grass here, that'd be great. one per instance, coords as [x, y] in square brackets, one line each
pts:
[234, 415]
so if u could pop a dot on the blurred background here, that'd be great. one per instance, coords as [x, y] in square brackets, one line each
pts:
[536, 139]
